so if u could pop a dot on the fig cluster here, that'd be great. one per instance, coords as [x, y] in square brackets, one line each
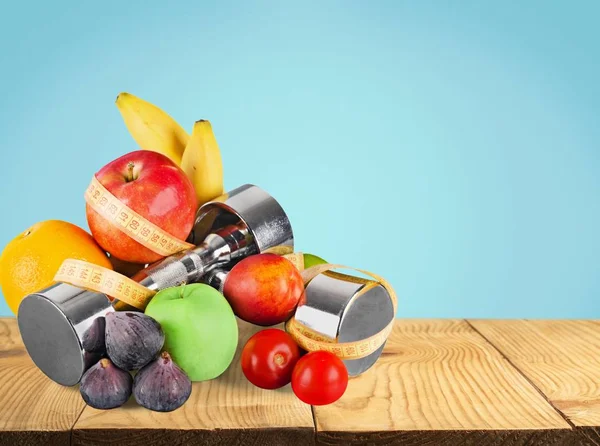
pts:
[132, 341]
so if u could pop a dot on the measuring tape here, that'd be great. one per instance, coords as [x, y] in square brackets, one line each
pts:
[103, 280]
[131, 223]
[310, 340]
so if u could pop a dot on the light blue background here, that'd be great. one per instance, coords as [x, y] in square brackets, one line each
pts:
[452, 147]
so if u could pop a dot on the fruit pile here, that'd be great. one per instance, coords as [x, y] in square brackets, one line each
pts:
[187, 332]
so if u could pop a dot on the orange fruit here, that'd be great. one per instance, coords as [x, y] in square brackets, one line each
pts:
[30, 261]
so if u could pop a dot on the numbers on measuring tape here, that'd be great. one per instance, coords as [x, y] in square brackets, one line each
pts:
[102, 280]
[131, 223]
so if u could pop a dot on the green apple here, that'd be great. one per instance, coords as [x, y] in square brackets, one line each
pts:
[201, 332]
[312, 260]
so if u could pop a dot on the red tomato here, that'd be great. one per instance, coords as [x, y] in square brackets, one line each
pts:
[319, 378]
[269, 357]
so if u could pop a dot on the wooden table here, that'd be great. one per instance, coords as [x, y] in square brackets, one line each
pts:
[438, 382]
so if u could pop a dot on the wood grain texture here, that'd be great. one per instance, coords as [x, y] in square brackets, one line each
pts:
[561, 358]
[439, 382]
[226, 410]
[440, 376]
[33, 409]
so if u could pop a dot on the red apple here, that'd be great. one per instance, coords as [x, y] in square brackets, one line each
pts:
[154, 187]
[264, 289]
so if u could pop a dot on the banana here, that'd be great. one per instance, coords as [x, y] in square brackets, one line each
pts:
[202, 162]
[152, 128]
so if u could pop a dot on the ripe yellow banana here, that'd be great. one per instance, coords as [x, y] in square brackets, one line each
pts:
[152, 128]
[202, 162]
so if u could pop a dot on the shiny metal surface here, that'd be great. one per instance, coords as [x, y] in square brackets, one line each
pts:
[189, 266]
[341, 308]
[367, 315]
[240, 223]
[216, 279]
[52, 323]
[267, 223]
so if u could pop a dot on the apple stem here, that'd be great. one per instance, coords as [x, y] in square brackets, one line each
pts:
[129, 177]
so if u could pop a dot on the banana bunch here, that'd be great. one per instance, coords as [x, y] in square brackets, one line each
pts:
[197, 154]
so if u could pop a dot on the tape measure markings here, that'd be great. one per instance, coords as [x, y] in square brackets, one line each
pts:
[103, 280]
[131, 223]
[344, 350]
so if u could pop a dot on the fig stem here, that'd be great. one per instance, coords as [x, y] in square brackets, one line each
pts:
[165, 356]
[104, 362]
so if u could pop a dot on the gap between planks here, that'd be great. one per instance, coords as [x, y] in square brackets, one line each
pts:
[74, 423]
[506, 358]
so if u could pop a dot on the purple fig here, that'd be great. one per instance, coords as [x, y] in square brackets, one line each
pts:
[161, 385]
[93, 338]
[132, 339]
[105, 386]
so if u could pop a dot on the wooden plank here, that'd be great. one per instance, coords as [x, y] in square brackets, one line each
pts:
[561, 358]
[440, 382]
[33, 409]
[227, 410]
